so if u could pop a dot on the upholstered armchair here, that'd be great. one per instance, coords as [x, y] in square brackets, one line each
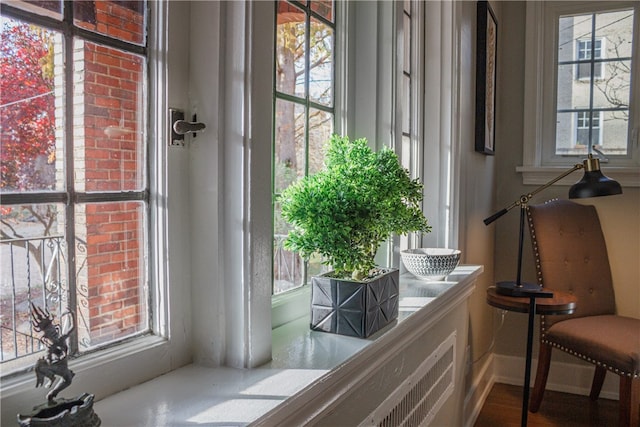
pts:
[571, 256]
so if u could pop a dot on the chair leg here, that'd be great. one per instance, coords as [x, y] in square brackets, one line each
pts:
[629, 401]
[598, 380]
[542, 372]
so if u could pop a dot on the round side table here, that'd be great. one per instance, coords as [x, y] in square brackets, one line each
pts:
[558, 303]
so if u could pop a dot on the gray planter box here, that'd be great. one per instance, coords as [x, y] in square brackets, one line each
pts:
[354, 308]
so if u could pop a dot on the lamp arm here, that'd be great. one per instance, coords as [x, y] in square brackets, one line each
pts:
[554, 180]
[524, 199]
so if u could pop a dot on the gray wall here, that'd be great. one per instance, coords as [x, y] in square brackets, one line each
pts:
[620, 215]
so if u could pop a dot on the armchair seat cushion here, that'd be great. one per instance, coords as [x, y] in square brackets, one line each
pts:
[610, 341]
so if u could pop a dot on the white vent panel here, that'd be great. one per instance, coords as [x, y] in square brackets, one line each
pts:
[419, 398]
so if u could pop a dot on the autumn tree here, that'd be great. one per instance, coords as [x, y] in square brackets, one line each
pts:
[27, 108]
[27, 125]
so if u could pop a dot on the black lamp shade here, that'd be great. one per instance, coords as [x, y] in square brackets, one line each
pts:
[594, 184]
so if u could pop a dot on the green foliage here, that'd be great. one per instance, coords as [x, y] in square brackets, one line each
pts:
[345, 211]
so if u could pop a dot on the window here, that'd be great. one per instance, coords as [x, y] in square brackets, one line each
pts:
[75, 193]
[409, 102]
[587, 130]
[584, 51]
[594, 96]
[303, 115]
[410, 150]
[586, 97]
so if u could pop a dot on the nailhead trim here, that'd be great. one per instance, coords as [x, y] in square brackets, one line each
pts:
[543, 331]
[536, 254]
[633, 375]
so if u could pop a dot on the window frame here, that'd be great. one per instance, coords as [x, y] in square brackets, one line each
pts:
[539, 108]
[308, 104]
[294, 303]
[123, 365]
[378, 114]
[69, 196]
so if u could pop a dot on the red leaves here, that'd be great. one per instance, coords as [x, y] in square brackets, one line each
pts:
[27, 109]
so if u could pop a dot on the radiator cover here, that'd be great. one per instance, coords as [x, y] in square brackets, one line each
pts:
[419, 398]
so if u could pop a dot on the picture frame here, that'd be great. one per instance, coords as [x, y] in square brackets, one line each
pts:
[486, 73]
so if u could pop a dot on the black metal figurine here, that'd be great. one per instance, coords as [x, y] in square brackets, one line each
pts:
[54, 363]
[57, 412]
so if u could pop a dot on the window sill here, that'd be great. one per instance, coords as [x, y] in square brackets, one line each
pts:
[308, 368]
[102, 373]
[16, 383]
[538, 175]
[290, 306]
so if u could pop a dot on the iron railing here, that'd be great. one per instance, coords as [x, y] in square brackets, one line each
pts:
[32, 271]
[287, 266]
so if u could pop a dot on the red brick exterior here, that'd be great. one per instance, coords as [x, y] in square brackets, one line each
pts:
[113, 161]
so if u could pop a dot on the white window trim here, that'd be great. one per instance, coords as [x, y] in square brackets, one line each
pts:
[537, 60]
[443, 125]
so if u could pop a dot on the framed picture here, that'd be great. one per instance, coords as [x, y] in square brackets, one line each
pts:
[487, 38]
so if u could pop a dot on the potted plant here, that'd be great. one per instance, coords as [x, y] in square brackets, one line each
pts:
[343, 213]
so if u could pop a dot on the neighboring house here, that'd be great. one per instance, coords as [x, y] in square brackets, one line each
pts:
[594, 111]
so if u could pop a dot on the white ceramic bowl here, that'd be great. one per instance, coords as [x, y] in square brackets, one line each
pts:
[430, 263]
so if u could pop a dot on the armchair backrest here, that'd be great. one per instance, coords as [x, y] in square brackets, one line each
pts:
[571, 256]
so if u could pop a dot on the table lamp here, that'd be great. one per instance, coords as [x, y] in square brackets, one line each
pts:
[592, 184]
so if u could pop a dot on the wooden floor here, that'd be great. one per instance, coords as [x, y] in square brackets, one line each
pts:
[503, 407]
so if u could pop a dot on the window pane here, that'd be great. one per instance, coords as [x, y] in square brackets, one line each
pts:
[320, 130]
[109, 119]
[406, 103]
[615, 29]
[615, 131]
[566, 135]
[33, 269]
[287, 266]
[614, 89]
[123, 20]
[111, 271]
[571, 93]
[406, 34]
[321, 63]
[574, 32]
[405, 151]
[31, 108]
[289, 144]
[52, 8]
[290, 50]
[323, 8]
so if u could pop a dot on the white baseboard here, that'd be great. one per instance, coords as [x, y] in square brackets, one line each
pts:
[478, 392]
[564, 377]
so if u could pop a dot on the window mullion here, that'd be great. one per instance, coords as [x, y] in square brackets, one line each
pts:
[69, 167]
[592, 78]
[80, 197]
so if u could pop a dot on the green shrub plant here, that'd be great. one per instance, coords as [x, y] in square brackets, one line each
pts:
[345, 211]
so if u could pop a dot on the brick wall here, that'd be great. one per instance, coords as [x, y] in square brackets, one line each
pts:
[110, 156]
